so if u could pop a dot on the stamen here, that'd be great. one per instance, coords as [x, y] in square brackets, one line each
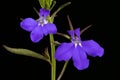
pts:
[80, 44]
[42, 21]
[76, 41]
[76, 44]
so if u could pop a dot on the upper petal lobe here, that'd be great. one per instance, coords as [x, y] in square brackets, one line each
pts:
[44, 12]
[77, 32]
[71, 33]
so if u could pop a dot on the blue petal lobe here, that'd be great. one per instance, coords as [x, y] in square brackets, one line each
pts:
[28, 24]
[44, 12]
[77, 32]
[49, 28]
[64, 51]
[71, 33]
[37, 34]
[93, 48]
[80, 58]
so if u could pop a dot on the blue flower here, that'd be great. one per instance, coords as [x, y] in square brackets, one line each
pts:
[40, 27]
[78, 50]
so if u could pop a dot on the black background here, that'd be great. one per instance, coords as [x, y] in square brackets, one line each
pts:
[82, 13]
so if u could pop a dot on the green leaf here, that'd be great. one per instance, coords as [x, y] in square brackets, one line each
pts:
[42, 3]
[47, 6]
[53, 4]
[46, 53]
[26, 52]
[45, 3]
[50, 2]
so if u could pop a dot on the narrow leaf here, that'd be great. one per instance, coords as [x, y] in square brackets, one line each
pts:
[54, 2]
[46, 53]
[25, 52]
[42, 3]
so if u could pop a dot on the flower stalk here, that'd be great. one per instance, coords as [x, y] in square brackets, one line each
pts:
[63, 70]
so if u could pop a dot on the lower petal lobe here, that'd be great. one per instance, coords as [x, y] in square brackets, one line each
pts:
[93, 48]
[49, 28]
[37, 34]
[63, 52]
[80, 58]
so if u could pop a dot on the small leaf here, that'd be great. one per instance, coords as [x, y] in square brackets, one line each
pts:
[54, 3]
[45, 3]
[46, 53]
[48, 4]
[25, 52]
[42, 3]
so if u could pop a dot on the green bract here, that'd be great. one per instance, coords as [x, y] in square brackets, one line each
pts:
[45, 3]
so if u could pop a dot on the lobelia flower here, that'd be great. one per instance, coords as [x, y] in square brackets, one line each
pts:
[78, 50]
[40, 27]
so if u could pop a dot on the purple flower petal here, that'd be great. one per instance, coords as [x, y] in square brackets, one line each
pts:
[49, 28]
[64, 51]
[28, 24]
[93, 48]
[71, 33]
[80, 58]
[44, 12]
[37, 34]
[77, 32]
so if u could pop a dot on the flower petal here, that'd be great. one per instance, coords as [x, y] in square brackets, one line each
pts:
[77, 32]
[71, 33]
[64, 52]
[37, 34]
[44, 12]
[28, 24]
[49, 28]
[80, 58]
[93, 48]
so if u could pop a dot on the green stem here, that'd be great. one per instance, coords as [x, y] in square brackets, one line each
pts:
[63, 70]
[53, 61]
